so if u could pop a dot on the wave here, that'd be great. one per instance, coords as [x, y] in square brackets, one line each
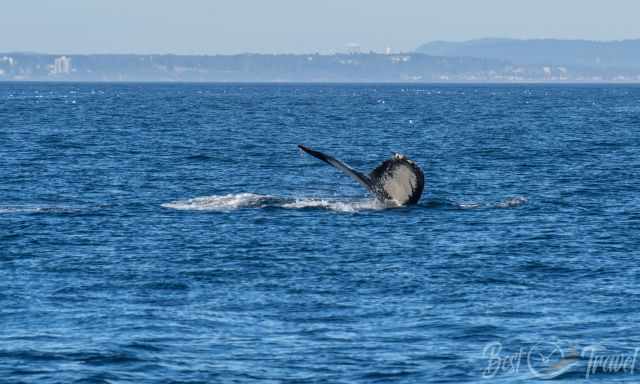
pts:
[230, 202]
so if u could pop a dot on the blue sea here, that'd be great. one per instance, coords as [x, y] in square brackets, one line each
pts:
[173, 233]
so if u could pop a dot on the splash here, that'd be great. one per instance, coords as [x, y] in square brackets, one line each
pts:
[220, 203]
[338, 205]
[232, 202]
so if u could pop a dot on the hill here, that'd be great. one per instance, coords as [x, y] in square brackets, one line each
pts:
[624, 54]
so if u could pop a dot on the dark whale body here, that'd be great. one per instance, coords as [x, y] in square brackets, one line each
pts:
[397, 180]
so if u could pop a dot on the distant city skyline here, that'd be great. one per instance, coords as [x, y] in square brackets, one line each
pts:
[290, 26]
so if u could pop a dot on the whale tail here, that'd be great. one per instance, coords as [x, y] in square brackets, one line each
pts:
[398, 179]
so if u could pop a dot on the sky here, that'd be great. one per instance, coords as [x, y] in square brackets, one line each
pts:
[297, 26]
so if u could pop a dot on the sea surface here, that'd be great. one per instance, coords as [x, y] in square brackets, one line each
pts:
[173, 233]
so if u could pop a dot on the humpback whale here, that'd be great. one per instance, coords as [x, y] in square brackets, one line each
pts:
[397, 180]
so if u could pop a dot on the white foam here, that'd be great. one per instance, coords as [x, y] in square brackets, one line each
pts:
[251, 200]
[512, 202]
[336, 205]
[218, 203]
[469, 205]
[235, 201]
[34, 209]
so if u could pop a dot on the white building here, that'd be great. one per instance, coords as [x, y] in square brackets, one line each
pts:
[8, 59]
[353, 48]
[61, 65]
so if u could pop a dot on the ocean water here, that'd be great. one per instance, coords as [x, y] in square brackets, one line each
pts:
[161, 233]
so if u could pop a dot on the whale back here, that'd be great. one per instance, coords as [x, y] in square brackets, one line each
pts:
[398, 179]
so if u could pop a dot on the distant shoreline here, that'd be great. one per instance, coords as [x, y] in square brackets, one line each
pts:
[315, 68]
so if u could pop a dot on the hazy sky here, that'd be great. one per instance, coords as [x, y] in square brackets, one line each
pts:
[234, 26]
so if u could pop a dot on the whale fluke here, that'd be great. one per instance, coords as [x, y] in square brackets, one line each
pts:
[398, 180]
